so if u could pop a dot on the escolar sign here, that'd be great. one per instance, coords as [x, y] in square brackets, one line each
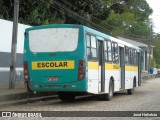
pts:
[40, 65]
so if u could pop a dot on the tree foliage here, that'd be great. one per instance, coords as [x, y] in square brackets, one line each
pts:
[129, 18]
[115, 17]
[156, 52]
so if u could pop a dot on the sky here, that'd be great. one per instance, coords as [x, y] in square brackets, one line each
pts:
[155, 5]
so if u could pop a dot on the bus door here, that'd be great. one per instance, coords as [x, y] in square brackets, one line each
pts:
[139, 69]
[122, 67]
[101, 79]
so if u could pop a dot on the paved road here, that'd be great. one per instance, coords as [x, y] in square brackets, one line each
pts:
[145, 98]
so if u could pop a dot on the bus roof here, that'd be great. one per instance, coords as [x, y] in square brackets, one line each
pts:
[87, 29]
[54, 26]
[105, 36]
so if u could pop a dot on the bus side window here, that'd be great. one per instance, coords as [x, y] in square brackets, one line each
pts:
[130, 56]
[126, 55]
[109, 50]
[105, 49]
[133, 62]
[93, 47]
[115, 52]
[88, 38]
[135, 58]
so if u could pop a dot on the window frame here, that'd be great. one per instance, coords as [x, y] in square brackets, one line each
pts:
[106, 50]
[127, 53]
[130, 56]
[135, 57]
[90, 56]
[115, 46]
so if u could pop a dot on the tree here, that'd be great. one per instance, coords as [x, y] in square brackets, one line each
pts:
[6, 9]
[129, 18]
[1, 9]
[157, 51]
[115, 17]
[39, 12]
[31, 12]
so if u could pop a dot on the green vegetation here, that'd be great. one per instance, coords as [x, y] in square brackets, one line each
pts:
[156, 52]
[115, 17]
[128, 18]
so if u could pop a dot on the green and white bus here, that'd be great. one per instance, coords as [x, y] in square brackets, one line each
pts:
[75, 59]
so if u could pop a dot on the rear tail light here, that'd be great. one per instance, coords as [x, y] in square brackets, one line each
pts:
[26, 77]
[26, 73]
[81, 70]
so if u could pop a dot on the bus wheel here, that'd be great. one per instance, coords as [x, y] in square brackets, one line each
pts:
[131, 91]
[64, 96]
[108, 96]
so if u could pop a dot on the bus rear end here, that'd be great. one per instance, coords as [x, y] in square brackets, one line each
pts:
[54, 59]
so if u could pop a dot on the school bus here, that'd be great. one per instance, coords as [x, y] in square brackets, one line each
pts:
[75, 59]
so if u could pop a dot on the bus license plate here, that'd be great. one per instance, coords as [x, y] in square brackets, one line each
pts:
[52, 78]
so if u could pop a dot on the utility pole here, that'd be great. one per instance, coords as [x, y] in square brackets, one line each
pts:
[150, 47]
[12, 76]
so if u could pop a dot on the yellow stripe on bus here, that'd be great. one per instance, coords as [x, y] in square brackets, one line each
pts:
[95, 66]
[109, 66]
[48, 65]
[131, 68]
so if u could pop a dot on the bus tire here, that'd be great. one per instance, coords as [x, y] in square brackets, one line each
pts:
[108, 96]
[131, 91]
[64, 96]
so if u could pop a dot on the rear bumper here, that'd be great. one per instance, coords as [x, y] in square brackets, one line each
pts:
[78, 86]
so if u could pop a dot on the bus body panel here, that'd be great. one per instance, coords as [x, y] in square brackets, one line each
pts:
[131, 72]
[48, 70]
[93, 76]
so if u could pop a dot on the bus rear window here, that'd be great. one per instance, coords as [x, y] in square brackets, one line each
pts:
[53, 39]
